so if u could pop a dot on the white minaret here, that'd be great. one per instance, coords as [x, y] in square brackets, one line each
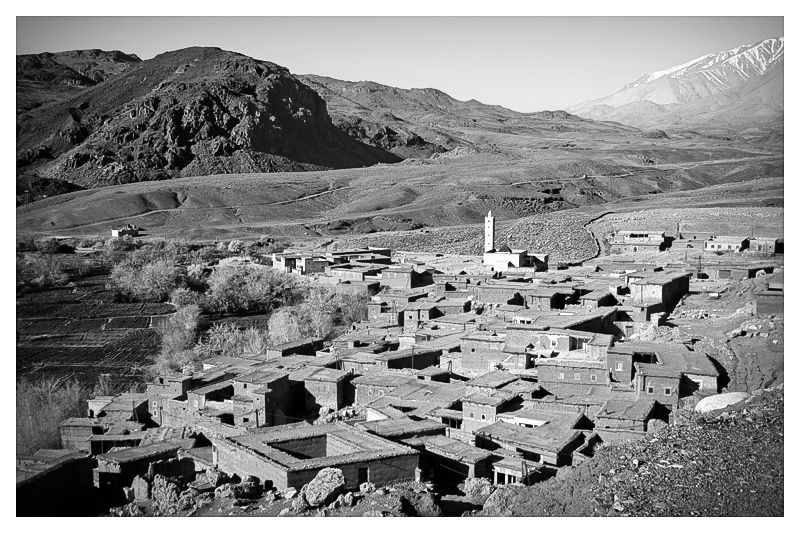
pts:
[488, 234]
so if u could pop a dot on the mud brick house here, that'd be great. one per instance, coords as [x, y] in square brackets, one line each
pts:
[400, 277]
[307, 346]
[572, 373]
[167, 386]
[117, 469]
[261, 398]
[399, 429]
[766, 245]
[502, 258]
[373, 385]
[481, 351]
[727, 243]
[303, 264]
[455, 285]
[598, 298]
[481, 409]
[98, 435]
[548, 444]
[55, 483]
[547, 297]
[122, 407]
[491, 381]
[413, 358]
[664, 287]
[666, 373]
[360, 338]
[353, 272]
[769, 296]
[325, 387]
[346, 256]
[291, 456]
[450, 461]
[637, 240]
[623, 419]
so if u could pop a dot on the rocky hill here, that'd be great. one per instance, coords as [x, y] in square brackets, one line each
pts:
[46, 78]
[190, 112]
[421, 122]
[733, 89]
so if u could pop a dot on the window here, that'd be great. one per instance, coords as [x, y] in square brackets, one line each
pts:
[553, 343]
[618, 365]
[380, 393]
[472, 350]
[651, 389]
[667, 391]
[560, 375]
[593, 377]
[577, 376]
[369, 392]
[472, 415]
[483, 417]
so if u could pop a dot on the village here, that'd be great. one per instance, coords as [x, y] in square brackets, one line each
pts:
[467, 372]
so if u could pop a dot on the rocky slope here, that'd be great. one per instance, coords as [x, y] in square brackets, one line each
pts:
[47, 77]
[734, 89]
[190, 112]
[727, 463]
[421, 122]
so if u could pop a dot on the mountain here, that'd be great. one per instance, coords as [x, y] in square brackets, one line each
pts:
[734, 89]
[47, 77]
[190, 112]
[422, 122]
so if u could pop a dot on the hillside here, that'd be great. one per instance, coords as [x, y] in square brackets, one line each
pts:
[722, 464]
[737, 89]
[190, 112]
[46, 78]
[421, 122]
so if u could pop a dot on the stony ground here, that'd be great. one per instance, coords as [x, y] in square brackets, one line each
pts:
[724, 464]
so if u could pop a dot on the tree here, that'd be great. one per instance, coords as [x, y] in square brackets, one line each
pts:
[249, 289]
[178, 336]
[284, 326]
[149, 281]
[41, 408]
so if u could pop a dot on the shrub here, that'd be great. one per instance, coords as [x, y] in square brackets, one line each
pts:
[228, 340]
[46, 245]
[43, 271]
[149, 281]
[41, 407]
[181, 297]
[249, 289]
[121, 244]
[178, 335]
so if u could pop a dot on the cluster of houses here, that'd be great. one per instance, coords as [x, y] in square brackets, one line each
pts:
[507, 373]
[642, 240]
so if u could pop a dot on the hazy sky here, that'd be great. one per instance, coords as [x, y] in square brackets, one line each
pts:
[524, 63]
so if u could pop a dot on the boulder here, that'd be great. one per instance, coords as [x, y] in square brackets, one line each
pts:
[478, 489]
[187, 500]
[325, 487]
[720, 401]
[216, 477]
[225, 491]
[247, 489]
[127, 493]
[141, 489]
[366, 487]
[285, 512]
[300, 504]
[290, 493]
[130, 509]
[348, 500]
[420, 504]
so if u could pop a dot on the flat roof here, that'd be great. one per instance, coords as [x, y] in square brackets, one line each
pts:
[627, 410]
[494, 379]
[548, 437]
[139, 452]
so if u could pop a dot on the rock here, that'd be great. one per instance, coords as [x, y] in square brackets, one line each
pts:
[130, 509]
[478, 489]
[285, 512]
[187, 500]
[348, 500]
[325, 487]
[420, 504]
[374, 514]
[141, 489]
[720, 401]
[300, 504]
[290, 493]
[216, 477]
[247, 489]
[128, 494]
[366, 488]
[225, 491]
[270, 497]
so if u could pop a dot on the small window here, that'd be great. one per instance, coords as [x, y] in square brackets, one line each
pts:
[483, 417]
[667, 391]
[577, 376]
[618, 365]
[560, 375]
[472, 415]
[472, 350]
[553, 343]
[593, 377]
[380, 393]
[369, 392]
[651, 389]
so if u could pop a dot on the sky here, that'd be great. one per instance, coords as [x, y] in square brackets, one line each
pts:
[523, 63]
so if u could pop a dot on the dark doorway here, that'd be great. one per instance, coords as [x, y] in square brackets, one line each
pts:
[363, 475]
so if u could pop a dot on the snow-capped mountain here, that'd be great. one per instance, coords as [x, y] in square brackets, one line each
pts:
[711, 88]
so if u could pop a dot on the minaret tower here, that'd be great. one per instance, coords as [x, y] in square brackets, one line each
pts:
[488, 234]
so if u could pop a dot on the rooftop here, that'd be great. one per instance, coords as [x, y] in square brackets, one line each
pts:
[494, 379]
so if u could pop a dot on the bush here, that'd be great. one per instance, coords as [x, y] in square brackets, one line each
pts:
[249, 289]
[41, 407]
[149, 281]
[181, 297]
[43, 271]
[178, 336]
[228, 340]
[121, 244]
[46, 245]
